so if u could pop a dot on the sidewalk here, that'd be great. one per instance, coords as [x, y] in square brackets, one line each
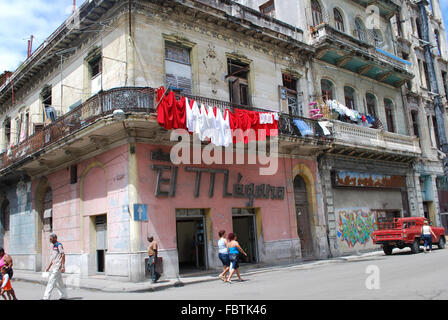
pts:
[97, 283]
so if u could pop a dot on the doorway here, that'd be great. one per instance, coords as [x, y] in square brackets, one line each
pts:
[101, 243]
[244, 226]
[303, 218]
[191, 240]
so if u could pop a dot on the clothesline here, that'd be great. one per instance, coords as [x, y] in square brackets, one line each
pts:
[211, 123]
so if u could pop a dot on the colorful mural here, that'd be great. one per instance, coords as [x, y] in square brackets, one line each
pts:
[356, 225]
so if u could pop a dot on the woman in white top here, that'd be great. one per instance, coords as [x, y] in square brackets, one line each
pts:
[427, 232]
[223, 254]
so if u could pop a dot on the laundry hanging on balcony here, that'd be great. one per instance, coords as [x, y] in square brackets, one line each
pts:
[211, 124]
[303, 127]
[351, 114]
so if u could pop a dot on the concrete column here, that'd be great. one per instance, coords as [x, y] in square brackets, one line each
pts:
[412, 195]
[134, 226]
[435, 196]
[418, 192]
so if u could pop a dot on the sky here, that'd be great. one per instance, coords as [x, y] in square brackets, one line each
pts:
[19, 19]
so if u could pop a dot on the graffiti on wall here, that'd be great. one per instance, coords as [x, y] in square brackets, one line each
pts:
[356, 225]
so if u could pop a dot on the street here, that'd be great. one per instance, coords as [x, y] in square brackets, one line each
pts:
[401, 276]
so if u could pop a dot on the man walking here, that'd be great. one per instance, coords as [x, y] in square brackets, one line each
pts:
[152, 253]
[56, 268]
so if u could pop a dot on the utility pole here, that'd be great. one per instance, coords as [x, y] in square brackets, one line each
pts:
[438, 106]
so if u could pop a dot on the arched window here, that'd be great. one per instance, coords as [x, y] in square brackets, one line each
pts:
[360, 30]
[5, 212]
[327, 89]
[349, 94]
[371, 104]
[338, 20]
[437, 36]
[316, 11]
[389, 109]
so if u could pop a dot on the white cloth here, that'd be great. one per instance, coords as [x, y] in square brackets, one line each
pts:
[195, 125]
[189, 116]
[323, 125]
[5, 280]
[211, 128]
[266, 118]
[227, 138]
[222, 248]
[55, 282]
[426, 230]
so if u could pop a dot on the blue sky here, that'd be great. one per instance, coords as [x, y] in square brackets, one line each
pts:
[19, 19]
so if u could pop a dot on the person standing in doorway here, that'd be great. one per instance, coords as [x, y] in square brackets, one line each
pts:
[234, 250]
[152, 253]
[223, 254]
[56, 268]
[427, 235]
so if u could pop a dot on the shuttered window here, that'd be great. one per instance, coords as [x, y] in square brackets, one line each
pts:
[178, 68]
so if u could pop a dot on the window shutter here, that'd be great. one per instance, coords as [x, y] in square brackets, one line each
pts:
[178, 68]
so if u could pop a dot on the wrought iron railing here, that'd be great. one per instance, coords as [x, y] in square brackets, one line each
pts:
[128, 99]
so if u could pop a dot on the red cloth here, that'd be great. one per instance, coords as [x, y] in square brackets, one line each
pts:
[171, 114]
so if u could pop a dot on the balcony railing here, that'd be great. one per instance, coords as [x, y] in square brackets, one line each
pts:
[128, 100]
[360, 136]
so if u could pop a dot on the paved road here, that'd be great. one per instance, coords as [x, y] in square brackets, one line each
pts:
[401, 276]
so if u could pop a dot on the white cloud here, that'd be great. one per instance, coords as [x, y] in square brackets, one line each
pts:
[19, 19]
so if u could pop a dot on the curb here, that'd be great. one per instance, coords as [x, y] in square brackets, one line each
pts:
[176, 283]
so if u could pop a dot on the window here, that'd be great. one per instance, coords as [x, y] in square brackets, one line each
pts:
[437, 37]
[5, 214]
[47, 204]
[377, 38]
[444, 83]
[178, 68]
[436, 132]
[294, 103]
[399, 24]
[73, 174]
[95, 67]
[428, 82]
[238, 75]
[415, 126]
[268, 8]
[418, 24]
[18, 129]
[7, 125]
[316, 11]
[327, 90]
[338, 20]
[95, 72]
[371, 104]
[360, 30]
[350, 101]
[388, 107]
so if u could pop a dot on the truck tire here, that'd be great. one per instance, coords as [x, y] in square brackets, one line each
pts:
[415, 247]
[441, 243]
[388, 250]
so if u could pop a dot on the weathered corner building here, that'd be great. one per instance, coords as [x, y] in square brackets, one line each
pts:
[104, 182]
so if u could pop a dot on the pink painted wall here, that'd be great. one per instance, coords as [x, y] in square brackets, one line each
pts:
[105, 191]
[278, 216]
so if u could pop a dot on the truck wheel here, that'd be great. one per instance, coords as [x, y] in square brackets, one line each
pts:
[441, 243]
[415, 248]
[388, 250]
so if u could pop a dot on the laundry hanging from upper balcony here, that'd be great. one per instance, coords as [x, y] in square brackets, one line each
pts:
[211, 123]
[346, 113]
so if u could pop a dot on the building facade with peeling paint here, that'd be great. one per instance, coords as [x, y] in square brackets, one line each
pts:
[103, 181]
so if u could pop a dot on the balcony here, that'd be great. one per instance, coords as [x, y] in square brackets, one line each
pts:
[91, 127]
[387, 8]
[362, 57]
[351, 139]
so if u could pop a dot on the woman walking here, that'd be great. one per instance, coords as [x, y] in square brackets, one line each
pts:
[223, 254]
[427, 235]
[234, 250]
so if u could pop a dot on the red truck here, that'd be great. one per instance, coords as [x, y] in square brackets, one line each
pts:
[405, 232]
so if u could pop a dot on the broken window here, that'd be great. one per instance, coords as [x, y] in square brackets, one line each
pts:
[399, 24]
[268, 8]
[428, 82]
[293, 98]
[7, 126]
[47, 102]
[178, 68]
[238, 75]
[437, 37]
[95, 64]
[436, 132]
[18, 129]
[444, 79]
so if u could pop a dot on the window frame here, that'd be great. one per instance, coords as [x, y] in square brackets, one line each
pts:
[316, 13]
[338, 20]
